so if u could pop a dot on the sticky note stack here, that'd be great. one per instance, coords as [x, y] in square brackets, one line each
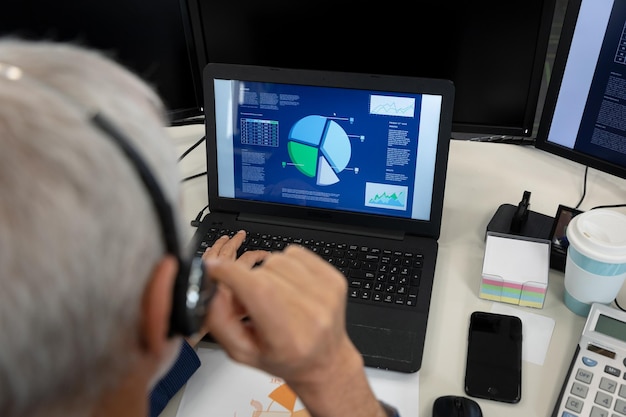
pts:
[515, 269]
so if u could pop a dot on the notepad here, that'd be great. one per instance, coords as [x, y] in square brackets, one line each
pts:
[515, 269]
[223, 387]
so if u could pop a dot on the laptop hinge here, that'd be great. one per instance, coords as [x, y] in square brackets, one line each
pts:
[315, 225]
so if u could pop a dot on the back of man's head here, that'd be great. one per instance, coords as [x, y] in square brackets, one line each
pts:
[78, 232]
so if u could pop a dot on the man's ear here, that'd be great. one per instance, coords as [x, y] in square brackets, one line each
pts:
[156, 305]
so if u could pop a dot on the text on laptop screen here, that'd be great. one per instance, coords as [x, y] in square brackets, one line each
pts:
[355, 150]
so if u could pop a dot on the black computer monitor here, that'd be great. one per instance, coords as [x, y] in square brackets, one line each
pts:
[584, 115]
[147, 36]
[494, 51]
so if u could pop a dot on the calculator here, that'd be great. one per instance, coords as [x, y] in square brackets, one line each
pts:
[595, 385]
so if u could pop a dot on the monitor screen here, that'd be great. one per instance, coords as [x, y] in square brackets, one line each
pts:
[146, 36]
[493, 50]
[328, 160]
[584, 115]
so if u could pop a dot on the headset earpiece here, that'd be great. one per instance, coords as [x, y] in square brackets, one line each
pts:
[192, 292]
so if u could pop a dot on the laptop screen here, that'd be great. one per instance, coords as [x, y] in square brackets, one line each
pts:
[332, 148]
[354, 150]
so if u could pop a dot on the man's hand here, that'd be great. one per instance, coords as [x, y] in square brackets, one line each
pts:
[226, 248]
[295, 304]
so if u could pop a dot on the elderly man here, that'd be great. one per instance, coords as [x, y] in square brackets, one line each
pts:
[88, 266]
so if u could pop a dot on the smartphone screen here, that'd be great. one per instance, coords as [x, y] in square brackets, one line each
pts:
[494, 357]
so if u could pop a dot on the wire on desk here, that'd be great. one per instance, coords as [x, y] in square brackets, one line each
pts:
[191, 177]
[582, 197]
[197, 220]
[194, 146]
[585, 193]
[609, 206]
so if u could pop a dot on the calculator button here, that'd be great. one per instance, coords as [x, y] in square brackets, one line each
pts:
[604, 399]
[574, 404]
[620, 406]
[622, 391]
[608, 384]
[580, 390]
[584, 375]
[599, 412]
[589, 362]
[612, 370]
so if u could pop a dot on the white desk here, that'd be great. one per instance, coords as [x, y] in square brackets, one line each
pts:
[481, 177]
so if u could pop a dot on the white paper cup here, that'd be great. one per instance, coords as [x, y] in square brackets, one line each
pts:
[595, 268]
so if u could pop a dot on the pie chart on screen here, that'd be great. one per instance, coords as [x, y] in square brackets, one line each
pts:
[319, 148]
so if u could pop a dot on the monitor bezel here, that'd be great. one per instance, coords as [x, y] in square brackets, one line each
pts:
[460, 129]
[558, 70]
[170, 46]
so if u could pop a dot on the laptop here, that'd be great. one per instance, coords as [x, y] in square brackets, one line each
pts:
[350, 165]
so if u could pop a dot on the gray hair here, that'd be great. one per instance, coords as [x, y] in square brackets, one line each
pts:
[78, 232]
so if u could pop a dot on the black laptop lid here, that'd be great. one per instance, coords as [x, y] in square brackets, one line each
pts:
[342, 148]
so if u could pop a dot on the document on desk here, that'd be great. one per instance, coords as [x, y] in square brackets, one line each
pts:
[222, 387]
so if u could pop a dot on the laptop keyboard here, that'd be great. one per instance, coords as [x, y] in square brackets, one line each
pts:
[375, 275]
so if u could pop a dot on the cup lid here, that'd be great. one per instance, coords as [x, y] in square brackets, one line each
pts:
[599, 234]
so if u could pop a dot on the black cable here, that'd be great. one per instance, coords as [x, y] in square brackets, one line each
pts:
[582, 197]
[194, 146]
[196, 221]
[617, 305]
[609, 206]
[191, 177]
[585, 192]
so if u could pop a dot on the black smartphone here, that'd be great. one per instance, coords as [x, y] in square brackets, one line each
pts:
[494, 357]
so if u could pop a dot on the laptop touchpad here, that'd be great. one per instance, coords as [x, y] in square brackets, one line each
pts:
[383, 343]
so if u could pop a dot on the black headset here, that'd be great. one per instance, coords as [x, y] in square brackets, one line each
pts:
[192, 289]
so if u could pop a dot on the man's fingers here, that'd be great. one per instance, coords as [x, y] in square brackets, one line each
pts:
[214, 251]
[235, 275]
[229, 329]
[225, 247]
[288, 273]
[253, 257]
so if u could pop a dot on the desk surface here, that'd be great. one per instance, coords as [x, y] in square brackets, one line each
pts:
[481, 177]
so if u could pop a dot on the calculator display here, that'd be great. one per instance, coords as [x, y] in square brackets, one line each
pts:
[611, 327]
